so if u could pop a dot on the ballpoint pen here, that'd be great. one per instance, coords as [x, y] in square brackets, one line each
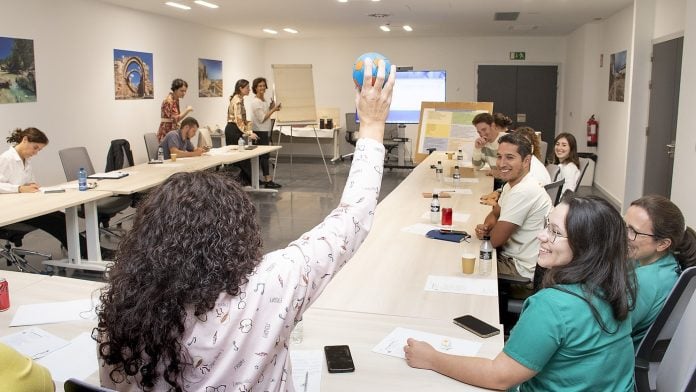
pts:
[306, 377]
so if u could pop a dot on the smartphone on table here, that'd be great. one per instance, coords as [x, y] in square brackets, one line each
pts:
[338, 359]
[476, 326]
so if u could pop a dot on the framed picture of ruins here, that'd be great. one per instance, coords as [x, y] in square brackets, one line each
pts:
[133, 74]
[209, 78]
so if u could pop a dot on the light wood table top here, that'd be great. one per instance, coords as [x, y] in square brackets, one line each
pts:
[388, 273]
[17, 207]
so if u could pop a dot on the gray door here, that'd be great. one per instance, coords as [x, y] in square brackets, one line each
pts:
[662, 120]
[525, 93]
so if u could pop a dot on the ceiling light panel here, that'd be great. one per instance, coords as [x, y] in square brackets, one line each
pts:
[206, 4]
[177, 5]
[407, 28]
[289, 30]
[384, 28]
[270, 31]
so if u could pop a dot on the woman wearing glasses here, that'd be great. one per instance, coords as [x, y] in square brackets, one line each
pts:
[574, 334]
[660, 246]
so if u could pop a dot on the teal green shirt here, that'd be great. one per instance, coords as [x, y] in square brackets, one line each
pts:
[558, 337]
[655, 281]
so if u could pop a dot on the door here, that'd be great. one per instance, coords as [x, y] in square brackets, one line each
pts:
[662, 117]
[525, 93]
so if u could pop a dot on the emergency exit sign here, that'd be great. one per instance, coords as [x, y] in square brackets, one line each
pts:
[518, 55]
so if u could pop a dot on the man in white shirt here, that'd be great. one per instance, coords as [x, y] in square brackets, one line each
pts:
[519, 215]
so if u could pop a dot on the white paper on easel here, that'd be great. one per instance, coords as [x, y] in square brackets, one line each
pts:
[54, 312]
[461, 285]
[76, 360]
[34, 342]
[306, 369]
[393, 344]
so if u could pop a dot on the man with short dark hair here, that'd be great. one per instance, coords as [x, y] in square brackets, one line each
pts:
[519, 215]
[179, 142]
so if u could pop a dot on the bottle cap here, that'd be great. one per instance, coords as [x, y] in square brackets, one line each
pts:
[486, 238]
[435, 196]
[439, 161]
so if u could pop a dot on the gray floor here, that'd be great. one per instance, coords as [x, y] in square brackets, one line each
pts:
[304, 200]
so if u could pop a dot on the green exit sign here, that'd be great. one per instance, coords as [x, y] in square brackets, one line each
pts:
[518, 55]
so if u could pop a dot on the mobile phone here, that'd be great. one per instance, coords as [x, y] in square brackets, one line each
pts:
[476, 326]
[338, 359]
[450, 231]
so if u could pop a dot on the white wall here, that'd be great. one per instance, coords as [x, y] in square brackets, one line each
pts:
[73, 44]
[669, 18]
[332, 60]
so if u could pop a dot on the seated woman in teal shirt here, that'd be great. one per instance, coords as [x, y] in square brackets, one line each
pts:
[574, 334]
[660, 246]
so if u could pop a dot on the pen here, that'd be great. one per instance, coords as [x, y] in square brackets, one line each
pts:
[306, 377]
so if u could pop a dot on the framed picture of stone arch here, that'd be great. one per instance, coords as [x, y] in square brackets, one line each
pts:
[133, 75]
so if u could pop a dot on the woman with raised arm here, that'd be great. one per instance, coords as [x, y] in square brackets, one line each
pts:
[171, 114]
[192, 305]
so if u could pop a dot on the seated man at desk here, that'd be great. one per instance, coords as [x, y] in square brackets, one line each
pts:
[519, 215]
[486, 146]
[179, 142]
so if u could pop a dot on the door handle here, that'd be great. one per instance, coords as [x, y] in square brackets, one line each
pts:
[670, 150]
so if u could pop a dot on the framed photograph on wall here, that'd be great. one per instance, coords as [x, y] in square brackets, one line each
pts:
[133, 75]
[17, 72]
[617, 76]
[209, 78]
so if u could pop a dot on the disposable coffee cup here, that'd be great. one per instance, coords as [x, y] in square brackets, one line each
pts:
[173, 157]
[468, 263]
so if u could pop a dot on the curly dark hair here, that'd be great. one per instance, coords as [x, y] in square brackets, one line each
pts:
[597, 237]
[193, 238]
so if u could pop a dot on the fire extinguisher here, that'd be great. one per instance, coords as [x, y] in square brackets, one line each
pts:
[592, 131]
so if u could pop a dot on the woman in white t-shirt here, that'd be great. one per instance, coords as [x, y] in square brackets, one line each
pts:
[261, 111]
[566, 151]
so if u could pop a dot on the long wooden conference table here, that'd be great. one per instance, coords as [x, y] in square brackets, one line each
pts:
[380, 289]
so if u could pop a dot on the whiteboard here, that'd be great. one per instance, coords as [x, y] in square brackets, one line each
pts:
[294, 89]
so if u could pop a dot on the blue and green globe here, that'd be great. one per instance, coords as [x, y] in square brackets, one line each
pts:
[359, 68]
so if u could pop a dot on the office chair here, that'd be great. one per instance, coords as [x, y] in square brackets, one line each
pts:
[509, 307]
[554, 170]
[584, 162]
[75, 158]
[666, 358]
[75, 385]
[14, 255]
[352, 129]
[543, 146]
[151, 145]
[554, 191]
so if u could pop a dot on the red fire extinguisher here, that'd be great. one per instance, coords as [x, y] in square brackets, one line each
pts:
[592, 131]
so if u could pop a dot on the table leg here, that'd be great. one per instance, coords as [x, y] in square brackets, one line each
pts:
[92, 229]
[72, 231]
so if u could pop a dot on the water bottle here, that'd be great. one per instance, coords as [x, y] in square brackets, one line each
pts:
[439, 173]
[160, 154]
[82, 179]
[456, 176]
[485, 256]
[435, 209]
[240, 144]
[460, 156]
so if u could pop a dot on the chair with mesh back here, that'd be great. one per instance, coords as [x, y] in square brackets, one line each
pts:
[12, 251]
[554, 191]
[151, 145]
[77, 157]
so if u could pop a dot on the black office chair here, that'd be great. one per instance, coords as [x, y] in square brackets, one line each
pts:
[554, 191]
[151, 145]
[77, 157]
[510, 307]
[352, 129]
[75, 385]
[12, 252]
[584, 162]
[666, 358]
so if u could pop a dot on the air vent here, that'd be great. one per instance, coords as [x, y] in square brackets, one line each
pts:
[378, 15]
[506, 16]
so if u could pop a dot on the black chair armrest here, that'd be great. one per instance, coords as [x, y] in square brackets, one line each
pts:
[512, 279]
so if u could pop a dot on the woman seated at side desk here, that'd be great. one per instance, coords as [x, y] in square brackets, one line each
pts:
[16, 176]
[192, 305]
[575, 333]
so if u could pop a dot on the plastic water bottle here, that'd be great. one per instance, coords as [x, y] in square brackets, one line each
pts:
[456, 176]
[439, 173]
[485, 256]
[435, 209]
[160, 154]
[82, 179]
[240, 144]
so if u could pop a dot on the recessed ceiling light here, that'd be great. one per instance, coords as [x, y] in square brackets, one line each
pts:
[407, 28]
[289, 30]
[270, 31]
[206, 4]
[342, 1]
[384, 28]
[177, 5]
[374, 1]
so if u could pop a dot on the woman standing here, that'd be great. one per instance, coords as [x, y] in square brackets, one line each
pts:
[575, 333]
[261, 124]
[566, 157]
[170, 113]
[237, 124]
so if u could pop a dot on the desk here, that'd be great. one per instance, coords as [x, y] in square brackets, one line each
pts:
[309, 131]
[20, 206]
[388, 273]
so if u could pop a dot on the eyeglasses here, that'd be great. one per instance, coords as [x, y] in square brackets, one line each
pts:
[552, 232]
[632, 233]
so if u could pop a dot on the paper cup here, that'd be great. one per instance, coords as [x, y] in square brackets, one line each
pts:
[468, 263]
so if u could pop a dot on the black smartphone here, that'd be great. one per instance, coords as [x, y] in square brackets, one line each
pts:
[450, 231]
[338, 359]
[476, 326]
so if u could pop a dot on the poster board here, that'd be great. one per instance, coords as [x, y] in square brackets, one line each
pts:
[446, 126]
[294, 89]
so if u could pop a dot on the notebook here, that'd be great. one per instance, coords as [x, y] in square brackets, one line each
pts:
[108, 176]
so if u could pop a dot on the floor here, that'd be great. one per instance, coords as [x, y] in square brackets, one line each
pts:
[305, 199]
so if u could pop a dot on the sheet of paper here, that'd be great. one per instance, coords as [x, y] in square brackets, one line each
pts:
[419, 228]
[109, 175]
[456, 217]
[54, 312]
[226, 150]
[307, 369]
[168, 165]
[461, 285]
[34, 342]
[458, 191]
[393, 344]
[76, 360]
[463, 180]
